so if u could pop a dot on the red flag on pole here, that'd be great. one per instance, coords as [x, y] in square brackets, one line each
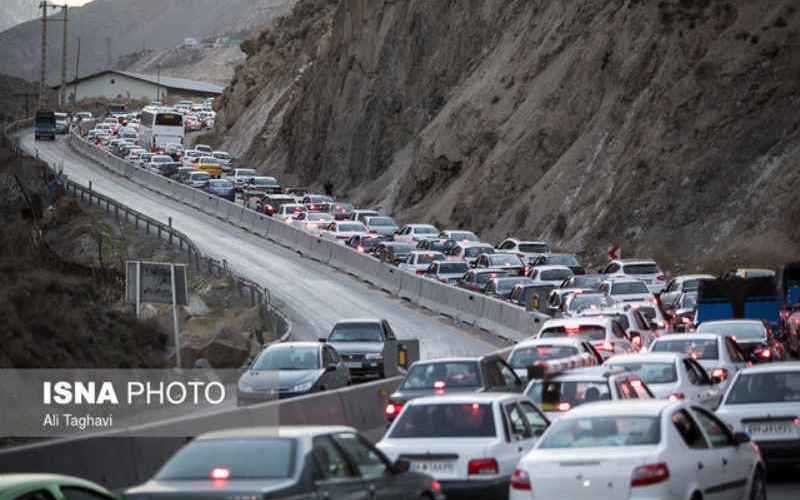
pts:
[615, 252]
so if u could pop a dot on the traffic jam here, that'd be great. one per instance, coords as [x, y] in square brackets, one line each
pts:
[638, 385]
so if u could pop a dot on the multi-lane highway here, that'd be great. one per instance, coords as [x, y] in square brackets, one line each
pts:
[314, 296]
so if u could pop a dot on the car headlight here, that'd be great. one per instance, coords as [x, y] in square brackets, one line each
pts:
[303, 387]
[374, 355]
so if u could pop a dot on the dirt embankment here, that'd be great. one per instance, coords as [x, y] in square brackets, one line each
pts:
[671, 128]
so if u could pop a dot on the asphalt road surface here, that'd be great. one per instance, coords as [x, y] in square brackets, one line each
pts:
[313, 295]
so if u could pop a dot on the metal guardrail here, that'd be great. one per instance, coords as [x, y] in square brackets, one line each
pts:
[259, 296]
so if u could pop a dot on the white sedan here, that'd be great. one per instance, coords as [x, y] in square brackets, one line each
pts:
[470, 443]
[671, 375]
[628, 290]
[413, 233]
[342, 230]
[764, 402]
[657, 449]
[420, 261]
[311, 221]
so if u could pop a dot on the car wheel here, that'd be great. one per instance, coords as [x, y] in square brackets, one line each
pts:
[758, 490]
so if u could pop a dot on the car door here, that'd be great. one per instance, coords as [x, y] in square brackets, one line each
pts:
[697, 460]
[330, 379]
[735, 464]
[373, 468]
[700, 389]
[334, 475]
[519, 442]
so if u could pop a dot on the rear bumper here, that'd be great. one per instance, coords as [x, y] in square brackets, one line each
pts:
[780, 453]
[367, 372]
[476, 490]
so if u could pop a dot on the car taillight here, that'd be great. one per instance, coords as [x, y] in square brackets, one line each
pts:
[563, 407]
[647, 475]
[420, 271]
[220, 473]
[436, 486]
[765, 353]
[482, 467]
[520, 480]
[677, 396]
[719, 374]
[607, 346]
[393, 409]
[660, 277]
[637, 341]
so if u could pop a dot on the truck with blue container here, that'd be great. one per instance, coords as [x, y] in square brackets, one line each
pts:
[733, 297]
[44, 125]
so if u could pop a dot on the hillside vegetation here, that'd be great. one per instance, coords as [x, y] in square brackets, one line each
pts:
[670, 127]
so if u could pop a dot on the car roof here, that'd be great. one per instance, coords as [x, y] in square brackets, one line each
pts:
[552, 267]
[529, 242]
[734, 322]
[579, 320]
[644, 357]
[592, 373]
[635, 261]
[297, 343]
[649, 407]
[9, 481]
[773, 367]
[624, 280]
[472, 244]
[276, 432]
[358, 320]
[462, 359]
[426, 252]
[466, 398]
[688, 336]
[570, 341]
[686, 277]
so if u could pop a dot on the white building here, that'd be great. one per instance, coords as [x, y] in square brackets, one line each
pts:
[114, 84]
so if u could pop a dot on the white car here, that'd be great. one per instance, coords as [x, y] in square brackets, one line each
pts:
[241, 177]
[550, 275]
[190, 156]
[644, 269]
[719, 355]
[604, 333]
[639, 329]
[289, 211]
[470, 443]
[530, 352]
[671, 375]
[416, 232]
[657, 449]
[628, 290]
[764, 402]
[341, 230]
[420, 261]
[223, 158]
[312, 221]
[679, 285]
[528, 250]
[203, 149]
[361, 215]
[469, 251]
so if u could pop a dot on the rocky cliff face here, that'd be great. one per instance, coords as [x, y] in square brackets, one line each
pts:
[668, 127]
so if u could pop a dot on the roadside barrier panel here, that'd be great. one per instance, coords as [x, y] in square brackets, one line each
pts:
[208, 203]
[431, 293]
[319, 249]
[364, 404]
[462, 305]
[283, 233]
[410, 285]
[383, 276]
[264, 225]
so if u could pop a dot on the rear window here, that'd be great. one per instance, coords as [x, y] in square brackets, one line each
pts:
[463, 420]
[425, 230]
[524, 357]
[773, 387]
[462, 236]
[381, 221]
[356, 332]
[507, 284]
[555, 274]
[352, 227]
[597, 432]
[443, 374]
[562, 396]
[265, 181]
[591, 333]
[504, 259]
[242, 458]
[652, 373]
[641, 269]
[221, 183]
[427, 258]
[453, 267]
[589, 301]
[696, 348]
[628, 288]
[533, 248]
[584, 281]
[477, 251]
[243, 173]
[742, 331]
[562, 260]
[484, 278]
[316, 216]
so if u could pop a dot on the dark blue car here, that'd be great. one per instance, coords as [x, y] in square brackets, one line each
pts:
[222, 188]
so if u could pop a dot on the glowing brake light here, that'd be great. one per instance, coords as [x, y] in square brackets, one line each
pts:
[647, 475]
[393, 409]
[520, 481]
[360, 249]
[765, 353]
[563, 407]
[637, 341]
[677, 396]
[482, 467]
[719, 374]
[439, 384]
[436, 486]
[636, 383]
[220, 473]
[607, 346]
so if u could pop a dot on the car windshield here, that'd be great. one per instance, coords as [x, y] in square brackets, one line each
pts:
[220, 183]
[696, 348]
[500, 259]
[317, 216]
[245, 173]
[440, 375]
[356, 332]
[460, 420]
[628, 287]
[427, 258]
[352, 227]
[526, 356]
[742, 331]
[200, 177]
[160, 159]
[251, 458]
[688, 301]
[533, 248]
[381, 221]
[453, 267]
[436, 246]
[484, 278]
[462, 236]
[477, 251]
[555, 274]
[589, 301]
[592, 333]
[425, 230]
[508, 284]
[265, 181]
[770, 387]
[288, 358]
[222, 156]
[600, 432]
[553, 395]
[641, 269]
[562, 260]
[651, 373]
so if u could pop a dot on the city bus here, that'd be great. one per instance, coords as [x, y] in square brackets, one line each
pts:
[159, 128]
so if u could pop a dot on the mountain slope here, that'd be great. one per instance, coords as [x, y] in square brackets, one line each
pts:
[130, 25]
[13, 12]
[671, 128]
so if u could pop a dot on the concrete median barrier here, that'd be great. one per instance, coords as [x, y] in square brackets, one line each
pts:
[207, 203]
[410, 285]
[283, 233]
[318, 249]
[383, 276]
[463, 305]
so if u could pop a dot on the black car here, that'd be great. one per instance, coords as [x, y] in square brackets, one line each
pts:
[291, 369]
[362, 345]
[394, 252]
[489, 373]
[366, 243]
[342, 210]
[435, 245]
[560, 259]
[501, 288]
[477, 279]
[584, 281]
[297, 463]
[506, 261]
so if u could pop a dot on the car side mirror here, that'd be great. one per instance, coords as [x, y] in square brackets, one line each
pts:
[331, 367]
[400, 466]
[741, 438]
[322, 339]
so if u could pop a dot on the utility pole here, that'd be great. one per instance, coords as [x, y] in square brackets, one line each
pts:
[108, 52]
[77, 70]
[43, 75]
[63, 93]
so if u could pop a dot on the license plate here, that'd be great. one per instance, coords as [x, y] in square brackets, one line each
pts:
[785, 429]
[352, 364]
[434, 468]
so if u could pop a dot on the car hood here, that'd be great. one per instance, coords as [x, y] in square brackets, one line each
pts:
[356, 347]
[404, 396]
[387, 230]
[266, 379]
[179, 488]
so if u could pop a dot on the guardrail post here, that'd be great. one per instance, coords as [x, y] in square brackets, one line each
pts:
[90, 185]
[252, 296]
[147, 226]
[169, 220]
[136, 221]
[159, 231]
